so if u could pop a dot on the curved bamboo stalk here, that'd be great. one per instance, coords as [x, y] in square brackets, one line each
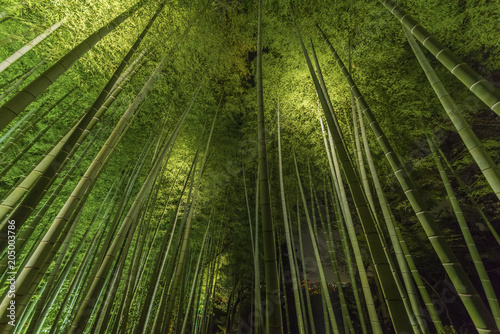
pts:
[19, 53]
[481, 87]
[471, 299]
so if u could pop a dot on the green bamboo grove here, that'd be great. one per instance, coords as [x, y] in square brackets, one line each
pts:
[236, 166]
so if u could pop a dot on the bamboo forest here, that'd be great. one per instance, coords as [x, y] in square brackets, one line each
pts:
[237, 166]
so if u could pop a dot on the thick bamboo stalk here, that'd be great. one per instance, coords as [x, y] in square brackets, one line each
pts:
[21, 132]
[483, 159]
[24, 234]
[33, 272]
[48, 166]
[18, 83]
[481, 87]
[26, 118]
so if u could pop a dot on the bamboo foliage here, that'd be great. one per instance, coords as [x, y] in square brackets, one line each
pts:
[121, 245]
[476, 308]
[13, 107]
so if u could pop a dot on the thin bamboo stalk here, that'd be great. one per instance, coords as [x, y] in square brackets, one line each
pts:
[274, 321]
[19, 53]
[324, 287]
[295, 284]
